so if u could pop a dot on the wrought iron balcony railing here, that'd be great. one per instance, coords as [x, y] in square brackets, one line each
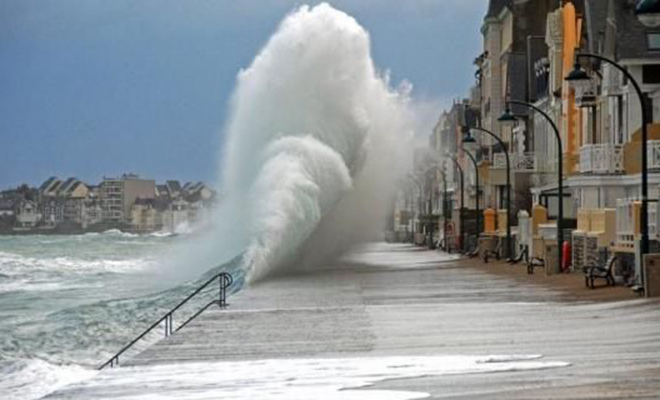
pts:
[653, 154]
[603, 158]
[519, 162]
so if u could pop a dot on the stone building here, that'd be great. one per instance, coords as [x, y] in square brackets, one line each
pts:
[513, 34]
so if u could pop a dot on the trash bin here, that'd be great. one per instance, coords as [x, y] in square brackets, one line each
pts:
[551, 261]
[652, 275]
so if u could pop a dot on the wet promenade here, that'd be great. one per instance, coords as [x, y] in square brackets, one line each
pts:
[387, 303]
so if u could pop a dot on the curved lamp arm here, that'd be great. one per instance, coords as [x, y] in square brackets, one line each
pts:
[545, 115]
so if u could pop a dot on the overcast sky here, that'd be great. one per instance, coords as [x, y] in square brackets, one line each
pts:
[95, 87]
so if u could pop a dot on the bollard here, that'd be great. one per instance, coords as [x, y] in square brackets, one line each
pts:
[489, 220]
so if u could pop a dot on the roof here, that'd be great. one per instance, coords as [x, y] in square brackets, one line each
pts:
[162, 190]
[595, 23]
[23, 202]
[193, 197]
[7, 204]
[195, 187]
[65, 187]
[143, 201]
[495, 7]
[174, 186]
[55, 186]
[47, 183]
[631, 41]
[161, 204]
[73, 187]
[50, 185]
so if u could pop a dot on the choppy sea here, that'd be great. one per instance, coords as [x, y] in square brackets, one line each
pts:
[67, 303]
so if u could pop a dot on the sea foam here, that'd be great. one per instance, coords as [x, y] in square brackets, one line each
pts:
[319, 379]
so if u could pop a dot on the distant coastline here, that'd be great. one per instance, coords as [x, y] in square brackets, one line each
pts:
[127, 203]
[72, 229]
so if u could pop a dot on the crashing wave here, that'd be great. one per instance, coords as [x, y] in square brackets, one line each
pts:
[311, 138]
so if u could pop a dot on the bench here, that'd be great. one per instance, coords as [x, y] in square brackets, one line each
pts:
[442, 244]
[533, 263]
[493, 253]
[593, 272]
[523, 253]
[638, 290]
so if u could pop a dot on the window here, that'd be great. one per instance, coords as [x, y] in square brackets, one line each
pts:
[651, 73]
[653, 40]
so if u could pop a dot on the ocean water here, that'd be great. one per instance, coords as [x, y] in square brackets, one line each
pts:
[67, 303]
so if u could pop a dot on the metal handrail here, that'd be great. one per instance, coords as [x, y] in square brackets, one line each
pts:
[224, 279]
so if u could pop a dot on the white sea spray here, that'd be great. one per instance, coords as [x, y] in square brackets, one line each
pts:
[309, 159]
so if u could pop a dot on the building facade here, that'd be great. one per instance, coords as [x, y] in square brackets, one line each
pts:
[119, 194]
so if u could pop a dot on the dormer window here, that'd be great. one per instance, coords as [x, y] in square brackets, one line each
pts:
[653, 40]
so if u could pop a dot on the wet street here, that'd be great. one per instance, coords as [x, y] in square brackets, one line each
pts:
[397, 322]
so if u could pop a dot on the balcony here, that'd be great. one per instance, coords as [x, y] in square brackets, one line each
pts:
[519, 162]
[653, 154]
[603, 158]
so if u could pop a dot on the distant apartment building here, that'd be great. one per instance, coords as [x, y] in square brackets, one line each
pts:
[119, 194]
[199, 190]
[74, 193]
[7, 208]
[61, 201]
[144, 215]
[92, 213]
[27, 214]
[174, 188]
[176, 214]
[52, 210]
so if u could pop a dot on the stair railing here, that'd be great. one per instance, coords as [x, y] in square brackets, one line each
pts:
[224, 281]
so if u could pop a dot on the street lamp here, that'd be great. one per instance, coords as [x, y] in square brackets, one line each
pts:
[444, 181]
[579, 77]
[428, 212]
[409, 194]
[648, 13]
[476, 173]
[461, 211]
[506, 117]
[470, 139]
[419, 203]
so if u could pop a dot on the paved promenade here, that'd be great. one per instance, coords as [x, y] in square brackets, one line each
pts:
[387, 303]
